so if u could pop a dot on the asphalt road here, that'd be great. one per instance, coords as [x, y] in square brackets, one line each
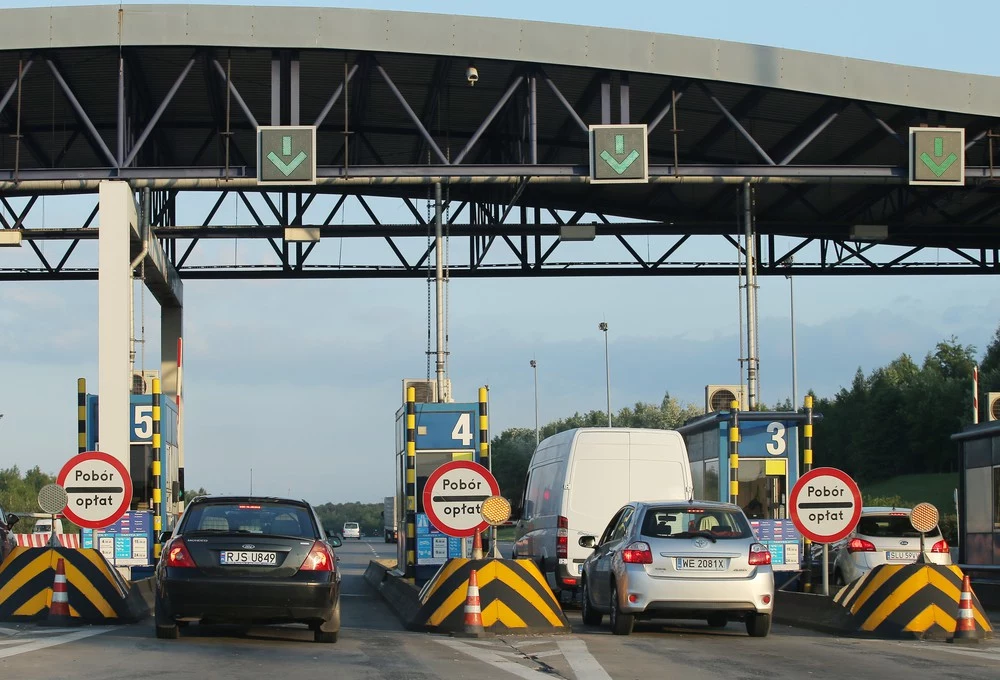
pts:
[373, 644]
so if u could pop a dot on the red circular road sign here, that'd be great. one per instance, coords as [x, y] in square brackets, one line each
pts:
[825, 505]
[98, 489]
[453, 497]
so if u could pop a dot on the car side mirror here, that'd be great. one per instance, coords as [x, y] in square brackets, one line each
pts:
[165, 536]
[587, 542]
[335, 541]
[12, 520]
[515, 512]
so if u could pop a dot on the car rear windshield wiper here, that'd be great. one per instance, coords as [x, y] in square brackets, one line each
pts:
[692, 534]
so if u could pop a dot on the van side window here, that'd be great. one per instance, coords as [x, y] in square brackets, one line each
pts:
[541, 499]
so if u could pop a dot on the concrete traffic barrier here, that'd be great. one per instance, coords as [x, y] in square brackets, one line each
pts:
[398, 592]
[95, 591]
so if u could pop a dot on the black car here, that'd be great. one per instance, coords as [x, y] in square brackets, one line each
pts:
[248, 559]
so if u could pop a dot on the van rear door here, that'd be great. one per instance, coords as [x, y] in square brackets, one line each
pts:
[659, 468]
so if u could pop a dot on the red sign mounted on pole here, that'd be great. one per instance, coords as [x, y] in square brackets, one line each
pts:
[453, 497]
[825, 505]
[98, 489]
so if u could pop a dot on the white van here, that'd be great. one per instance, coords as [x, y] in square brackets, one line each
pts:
[44, 526]
[579, 478]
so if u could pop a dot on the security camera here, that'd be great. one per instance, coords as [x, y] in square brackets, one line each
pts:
[472, 75]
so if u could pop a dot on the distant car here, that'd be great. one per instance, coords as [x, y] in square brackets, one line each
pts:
[352, 530]
[884, 536]
[7, 540]
[248, 559]
[44, 526]
[678, 559]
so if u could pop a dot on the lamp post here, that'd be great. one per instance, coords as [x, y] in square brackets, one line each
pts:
[603, 326]
[791, 304]
[534, 368]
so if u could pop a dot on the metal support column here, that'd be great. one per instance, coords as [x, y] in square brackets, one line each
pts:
[410, 567]
[157, 472]
[734, 451]
[807, 463]
[751, 282]
[439, 291]
[81, 415]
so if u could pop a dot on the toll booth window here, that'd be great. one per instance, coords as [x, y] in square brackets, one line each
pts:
[761, 496]
[712, 481]
[698, 479]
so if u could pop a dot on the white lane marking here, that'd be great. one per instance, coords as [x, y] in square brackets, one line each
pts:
[493, 659]
[584, 665]
[9, 631]
[36, 645]
[530, 643]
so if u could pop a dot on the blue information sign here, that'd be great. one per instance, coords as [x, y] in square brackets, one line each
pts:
[127, 542]
[447, 427]
[782, 540]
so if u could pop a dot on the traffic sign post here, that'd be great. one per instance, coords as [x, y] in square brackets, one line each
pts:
[618, 154]
[454, 495]
[98, 489]
[52, 499]
[937, 156]
[825, 506]
[286, 154]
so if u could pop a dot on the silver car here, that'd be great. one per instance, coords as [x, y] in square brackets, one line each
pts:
[884, 536]
[678, 559]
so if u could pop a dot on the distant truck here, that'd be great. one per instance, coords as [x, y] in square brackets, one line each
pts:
[389, 519]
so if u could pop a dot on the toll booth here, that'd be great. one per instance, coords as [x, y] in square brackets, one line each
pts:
[979, 498]
[141, 449]
[768, 468]
[441, 433]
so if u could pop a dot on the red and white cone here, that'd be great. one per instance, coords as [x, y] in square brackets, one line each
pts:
[477, 547]
[59, 614]
[965, 628]
[473, 625]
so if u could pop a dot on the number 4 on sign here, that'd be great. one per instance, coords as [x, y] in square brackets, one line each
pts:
[463, 429]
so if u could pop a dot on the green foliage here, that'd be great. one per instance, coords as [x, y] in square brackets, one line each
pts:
[19, 493]
[937, 489]
[367, 515]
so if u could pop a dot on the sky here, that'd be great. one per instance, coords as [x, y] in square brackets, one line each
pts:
[300, 381]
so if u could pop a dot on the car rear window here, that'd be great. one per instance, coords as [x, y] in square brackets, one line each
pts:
[687, 521]
[351, 525]
[276, 519]
[889, 526]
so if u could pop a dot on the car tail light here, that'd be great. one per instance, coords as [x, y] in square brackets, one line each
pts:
[759, 554]
[637, 553]
[319, 559]
[860, 545]
[562, 537]
[178, 555]
[941, 547]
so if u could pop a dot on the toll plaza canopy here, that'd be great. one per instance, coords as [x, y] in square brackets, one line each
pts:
[813, 154]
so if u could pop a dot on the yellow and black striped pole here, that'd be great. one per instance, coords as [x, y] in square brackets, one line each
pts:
[807, 463]
[411, 482]
[484, 430]
[734, 451]
[157, 495]
[81, 415]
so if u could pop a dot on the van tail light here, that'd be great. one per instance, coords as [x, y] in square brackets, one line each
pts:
[941, 547]
[860, 545]
[178, 555]
[759, 555]
[637, 553]
[562, 538]
[319, 559]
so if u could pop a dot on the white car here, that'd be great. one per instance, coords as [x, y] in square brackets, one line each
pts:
[885, 536]
[352, 530]
[678, 560]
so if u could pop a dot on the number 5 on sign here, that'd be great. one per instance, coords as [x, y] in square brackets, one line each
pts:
[463, 429]
[142, 422]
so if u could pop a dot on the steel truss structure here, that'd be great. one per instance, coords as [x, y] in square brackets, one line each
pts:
[511, 152]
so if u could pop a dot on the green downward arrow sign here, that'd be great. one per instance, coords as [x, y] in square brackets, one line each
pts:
[286, 150]
[619, 166]
[938, 168]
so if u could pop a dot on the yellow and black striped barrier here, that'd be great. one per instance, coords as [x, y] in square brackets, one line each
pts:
[909, 601]
[513, 596]
[97, 592]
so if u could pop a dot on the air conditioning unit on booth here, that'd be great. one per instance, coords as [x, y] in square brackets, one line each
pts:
[426, 390]
[993, 405]
[142, 381]
[720, 397]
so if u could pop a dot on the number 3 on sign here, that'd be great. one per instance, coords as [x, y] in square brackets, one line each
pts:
[463, 429]
[777, 445]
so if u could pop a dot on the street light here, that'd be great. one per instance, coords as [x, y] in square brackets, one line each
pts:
[534, 367]
[791, 304]
[603, 326]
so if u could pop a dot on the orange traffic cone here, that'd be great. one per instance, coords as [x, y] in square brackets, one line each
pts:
[59, 614]
[473, 625]
[965, 628]
[477, 547]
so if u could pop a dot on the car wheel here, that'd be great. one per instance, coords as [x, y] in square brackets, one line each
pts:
[621, 623]
[591, 617]
[758, 625]
[718, 620]
[166, 628]
[325, 636]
